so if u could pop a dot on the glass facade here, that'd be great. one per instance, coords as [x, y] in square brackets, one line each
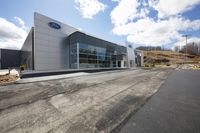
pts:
[74, 56]
[95, 57]
[89, 52]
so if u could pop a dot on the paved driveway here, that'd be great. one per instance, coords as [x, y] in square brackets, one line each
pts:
[96, 102]
[174, 109]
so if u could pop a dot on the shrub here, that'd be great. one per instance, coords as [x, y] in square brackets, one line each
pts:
[168, 64]
[152, 65]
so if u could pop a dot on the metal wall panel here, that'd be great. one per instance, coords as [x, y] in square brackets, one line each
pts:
[26, 57]
[51, 50]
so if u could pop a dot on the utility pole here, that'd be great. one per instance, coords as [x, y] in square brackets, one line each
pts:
[186, 37]
[198, 48]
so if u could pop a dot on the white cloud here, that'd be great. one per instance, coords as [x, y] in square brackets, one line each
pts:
[11, 36]
[146, 31]
[143, 13]
[21, 23]
[172, 7]
[89, 8]
[116, 0]
[134, 22]
[182, 41]
[80, 29]
[125, 11]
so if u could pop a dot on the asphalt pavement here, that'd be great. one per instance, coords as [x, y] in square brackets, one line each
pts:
[175, 108]
[77, 103]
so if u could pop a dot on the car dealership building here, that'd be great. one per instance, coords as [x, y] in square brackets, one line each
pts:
[52, 45]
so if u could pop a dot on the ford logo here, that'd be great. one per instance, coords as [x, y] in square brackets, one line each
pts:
[54, 25]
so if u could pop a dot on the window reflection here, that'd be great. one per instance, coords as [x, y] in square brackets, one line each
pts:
[95, 57]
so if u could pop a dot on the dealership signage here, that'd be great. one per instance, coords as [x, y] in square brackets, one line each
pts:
[54, 25]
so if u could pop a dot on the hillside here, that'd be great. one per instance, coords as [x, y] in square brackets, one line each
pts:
[164, 57]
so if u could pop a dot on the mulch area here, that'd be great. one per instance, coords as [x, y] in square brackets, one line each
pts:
[8, 78]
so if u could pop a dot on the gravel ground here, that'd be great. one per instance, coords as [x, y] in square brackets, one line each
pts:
[189, 66]
[90, 103]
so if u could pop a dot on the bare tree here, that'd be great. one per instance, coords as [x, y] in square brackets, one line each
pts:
[191, 48]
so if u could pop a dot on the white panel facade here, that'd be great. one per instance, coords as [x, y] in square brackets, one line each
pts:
[130, 55]
[50, 44]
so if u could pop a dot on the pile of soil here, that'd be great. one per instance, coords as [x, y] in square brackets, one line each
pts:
[8, 78]
[168, 56]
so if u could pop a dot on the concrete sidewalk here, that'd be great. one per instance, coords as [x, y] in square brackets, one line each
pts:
[64, 76]
[47, 78]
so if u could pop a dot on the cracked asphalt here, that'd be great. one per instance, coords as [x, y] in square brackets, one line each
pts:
[90, 103]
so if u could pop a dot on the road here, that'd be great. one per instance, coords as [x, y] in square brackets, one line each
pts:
[174, 109]
[96, 102]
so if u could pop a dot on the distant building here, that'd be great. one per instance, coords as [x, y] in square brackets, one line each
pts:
[139, 59]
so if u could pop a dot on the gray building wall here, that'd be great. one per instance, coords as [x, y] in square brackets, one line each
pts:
[47, 48]
[51, 50]
[27, 54]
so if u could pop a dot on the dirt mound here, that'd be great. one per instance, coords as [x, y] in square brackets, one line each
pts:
[168, 57]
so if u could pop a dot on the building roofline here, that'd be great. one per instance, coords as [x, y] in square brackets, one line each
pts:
[80, 30]
[55, 20]
[96, 38]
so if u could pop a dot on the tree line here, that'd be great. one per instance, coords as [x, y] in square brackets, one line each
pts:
[152, 48]
[191, 48]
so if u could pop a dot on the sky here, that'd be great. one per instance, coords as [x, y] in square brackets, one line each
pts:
[139, 22]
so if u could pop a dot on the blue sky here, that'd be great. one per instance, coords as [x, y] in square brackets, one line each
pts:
[153, 22]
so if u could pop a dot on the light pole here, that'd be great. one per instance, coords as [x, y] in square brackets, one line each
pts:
[186, 36]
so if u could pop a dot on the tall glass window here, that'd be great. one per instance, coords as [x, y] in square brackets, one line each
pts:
[95, 57]
[73, 56]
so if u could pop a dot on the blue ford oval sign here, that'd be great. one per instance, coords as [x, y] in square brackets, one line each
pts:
[54, 25]
[130, 46]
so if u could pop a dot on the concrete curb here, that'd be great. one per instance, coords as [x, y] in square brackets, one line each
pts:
[62, 76]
